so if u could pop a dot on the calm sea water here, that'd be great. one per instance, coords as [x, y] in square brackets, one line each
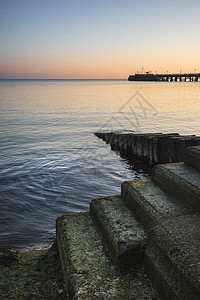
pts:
[50, 161]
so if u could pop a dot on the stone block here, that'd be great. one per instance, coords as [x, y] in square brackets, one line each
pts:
[181, 144]
[125, 236]
[192, 156]
[89, 272]
[179, 180]
[172, 258]
[149, 202]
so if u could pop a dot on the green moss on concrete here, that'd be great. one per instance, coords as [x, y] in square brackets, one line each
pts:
[125, 236]
[88, 268]
[179, 180]
[170, 283]
[149, 202]
[172, 257]
[31, 275]
[179, 238]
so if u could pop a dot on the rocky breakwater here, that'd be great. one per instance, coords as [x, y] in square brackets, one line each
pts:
[152, 148]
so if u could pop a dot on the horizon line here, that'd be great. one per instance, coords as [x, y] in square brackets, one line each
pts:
[63, 78]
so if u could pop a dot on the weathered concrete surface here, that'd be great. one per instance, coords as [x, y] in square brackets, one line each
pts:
[167, 206]
[125, 236]
[88, 269]
[192, 156]
[153, 148]
[158, 148]
[149, 202]
[172, 257]
[181, 181]
[176, 145]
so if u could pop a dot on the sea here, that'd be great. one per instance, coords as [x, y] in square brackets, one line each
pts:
[51, 163]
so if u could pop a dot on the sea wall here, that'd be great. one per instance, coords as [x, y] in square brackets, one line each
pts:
[152, 148]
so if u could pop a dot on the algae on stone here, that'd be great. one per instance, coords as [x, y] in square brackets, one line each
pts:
[31, 275]
[88, 268]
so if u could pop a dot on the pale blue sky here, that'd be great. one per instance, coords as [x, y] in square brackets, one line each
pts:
[97, 39]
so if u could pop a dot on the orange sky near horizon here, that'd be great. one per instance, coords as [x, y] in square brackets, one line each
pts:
[107, 68]
[106, 40]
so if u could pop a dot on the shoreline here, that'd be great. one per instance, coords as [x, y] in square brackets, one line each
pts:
[34, 274]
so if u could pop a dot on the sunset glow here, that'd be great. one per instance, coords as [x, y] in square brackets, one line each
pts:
[90, 39]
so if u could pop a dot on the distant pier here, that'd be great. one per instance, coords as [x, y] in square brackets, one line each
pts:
[165, 77]
[180, 77]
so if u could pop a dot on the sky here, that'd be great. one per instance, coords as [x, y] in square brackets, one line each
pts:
[82, 39]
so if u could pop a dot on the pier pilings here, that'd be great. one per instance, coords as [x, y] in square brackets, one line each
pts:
[180, 77]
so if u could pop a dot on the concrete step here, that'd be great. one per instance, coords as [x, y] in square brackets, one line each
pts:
[149, 202]
[191, 156]
[125, 236]
[89, 272]
[172, 257]
[181, 181]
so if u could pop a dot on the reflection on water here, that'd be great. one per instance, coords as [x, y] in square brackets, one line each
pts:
[51, 163]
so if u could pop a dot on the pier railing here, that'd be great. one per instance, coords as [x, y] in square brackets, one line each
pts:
[180, 77]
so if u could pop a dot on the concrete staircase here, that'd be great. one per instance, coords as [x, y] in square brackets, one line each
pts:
[142, 244]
